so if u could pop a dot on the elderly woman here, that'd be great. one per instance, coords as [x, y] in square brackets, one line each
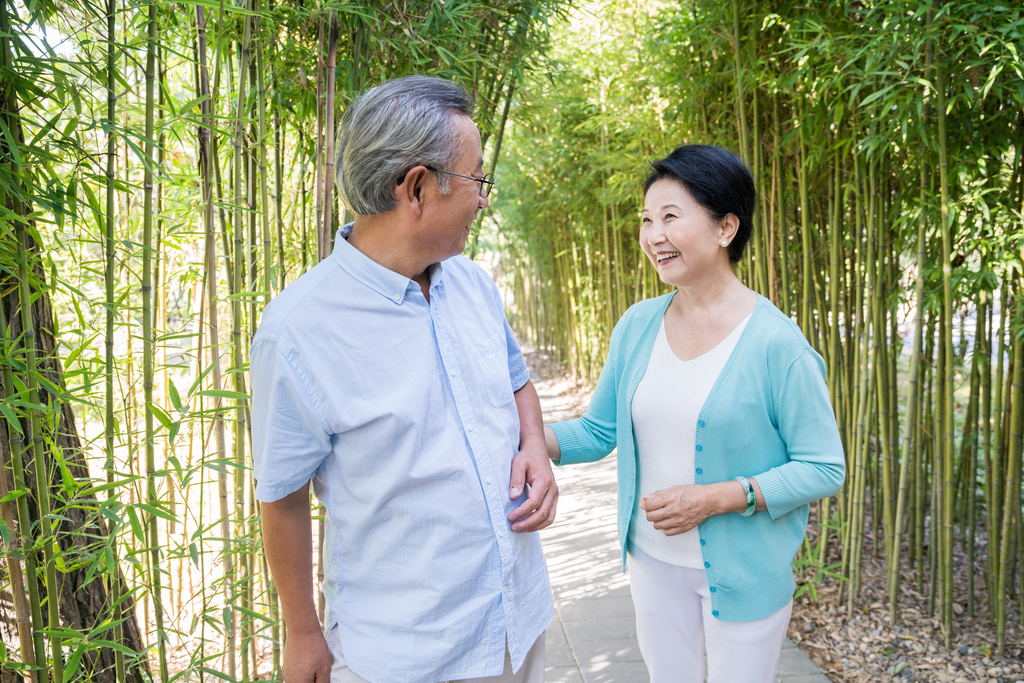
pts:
[725, 434]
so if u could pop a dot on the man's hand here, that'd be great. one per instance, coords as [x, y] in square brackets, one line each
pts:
[306, 658]
[288, 544]
[532, 466]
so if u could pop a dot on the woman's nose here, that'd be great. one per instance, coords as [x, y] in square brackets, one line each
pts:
[656, 235]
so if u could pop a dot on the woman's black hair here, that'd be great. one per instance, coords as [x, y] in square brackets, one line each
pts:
[718, 180]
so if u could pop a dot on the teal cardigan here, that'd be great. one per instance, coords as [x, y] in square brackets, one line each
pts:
[768, 416]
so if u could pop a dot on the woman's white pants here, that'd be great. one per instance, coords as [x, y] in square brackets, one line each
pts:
[674, 626]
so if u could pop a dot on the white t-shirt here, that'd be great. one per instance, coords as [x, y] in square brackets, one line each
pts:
[666, 406]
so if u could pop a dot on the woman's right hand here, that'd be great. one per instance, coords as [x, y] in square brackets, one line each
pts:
[551, 441]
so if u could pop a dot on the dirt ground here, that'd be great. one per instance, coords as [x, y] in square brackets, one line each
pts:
[865, 647]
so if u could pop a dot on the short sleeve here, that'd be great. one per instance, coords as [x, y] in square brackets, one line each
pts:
[517, 370]
[289, 437]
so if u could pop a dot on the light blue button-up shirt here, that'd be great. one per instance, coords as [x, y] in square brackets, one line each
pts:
[402, 412]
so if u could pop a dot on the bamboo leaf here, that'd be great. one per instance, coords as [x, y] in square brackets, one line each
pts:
[12, 419]
[133, 519]
[12, 144]
[175, 398]
[71, 668]
[160, 415]
[217, 674]
[11, 495]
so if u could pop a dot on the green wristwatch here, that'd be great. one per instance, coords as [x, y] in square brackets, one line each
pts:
[748, 488]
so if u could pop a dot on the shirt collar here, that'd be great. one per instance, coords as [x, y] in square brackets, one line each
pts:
[387, 283]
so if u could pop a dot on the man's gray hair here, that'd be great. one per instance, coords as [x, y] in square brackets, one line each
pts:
[390, 129]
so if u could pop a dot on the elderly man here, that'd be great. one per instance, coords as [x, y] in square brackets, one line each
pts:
[389, 376]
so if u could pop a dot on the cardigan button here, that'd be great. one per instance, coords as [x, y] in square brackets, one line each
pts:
[714, 613]
[699, 448]
[707, 565]
[703, 542]
[713, 589]
[700, 423]
[699, 471]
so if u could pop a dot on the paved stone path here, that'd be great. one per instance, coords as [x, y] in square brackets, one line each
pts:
[593, 636]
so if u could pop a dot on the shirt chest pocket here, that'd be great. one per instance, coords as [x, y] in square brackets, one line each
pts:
[491, 357]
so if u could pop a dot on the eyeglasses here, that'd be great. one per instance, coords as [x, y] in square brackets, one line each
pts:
[486, 183]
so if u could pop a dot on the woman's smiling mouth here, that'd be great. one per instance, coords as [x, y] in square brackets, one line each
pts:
[666, 256]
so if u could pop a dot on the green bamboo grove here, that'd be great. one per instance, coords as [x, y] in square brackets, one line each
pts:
[166, 169]
[887, 144]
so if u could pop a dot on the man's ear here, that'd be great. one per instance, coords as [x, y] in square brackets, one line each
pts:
[411, 191]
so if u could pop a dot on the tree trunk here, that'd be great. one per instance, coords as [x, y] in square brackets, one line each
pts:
[84, 601]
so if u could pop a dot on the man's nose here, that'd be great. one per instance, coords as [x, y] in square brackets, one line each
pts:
[482, 203]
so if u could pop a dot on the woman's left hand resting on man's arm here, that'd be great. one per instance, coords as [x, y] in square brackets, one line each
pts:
[678, 509]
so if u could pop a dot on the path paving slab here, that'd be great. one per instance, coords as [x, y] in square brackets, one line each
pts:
[593, 636]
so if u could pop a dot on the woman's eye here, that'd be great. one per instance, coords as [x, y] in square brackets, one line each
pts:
[645, 221]
[669, 215]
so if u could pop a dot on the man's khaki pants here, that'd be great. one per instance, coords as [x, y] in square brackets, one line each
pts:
[532, 670]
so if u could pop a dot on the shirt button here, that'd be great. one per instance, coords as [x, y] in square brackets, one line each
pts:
[398, 297]
[488, 480]
[713, 589]
[699, 448]
[451, 372]
[700, 423]
[714, 613]
[703, 542]
[469, 428]
[699, 471]
[707, 565]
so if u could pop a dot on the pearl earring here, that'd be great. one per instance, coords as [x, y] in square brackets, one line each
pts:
[724, 243]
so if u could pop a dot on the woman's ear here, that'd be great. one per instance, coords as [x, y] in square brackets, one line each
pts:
[728, 228]
[411, 190]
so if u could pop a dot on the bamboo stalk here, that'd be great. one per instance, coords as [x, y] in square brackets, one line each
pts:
[147, 341]
[230, 569]
[909, 425]
[741, 112]
[970, 438]
[876, 297]
[332, 58]
[109, 275]
[1011, 499]
[47, 540]
[947, 303]
[783, 241]
[33, 650]
[805, 233]
[27, 608]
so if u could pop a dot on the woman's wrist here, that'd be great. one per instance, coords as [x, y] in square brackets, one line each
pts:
[723, 497]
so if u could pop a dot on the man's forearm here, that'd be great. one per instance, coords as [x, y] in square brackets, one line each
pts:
[531, 424]
[288, 543]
